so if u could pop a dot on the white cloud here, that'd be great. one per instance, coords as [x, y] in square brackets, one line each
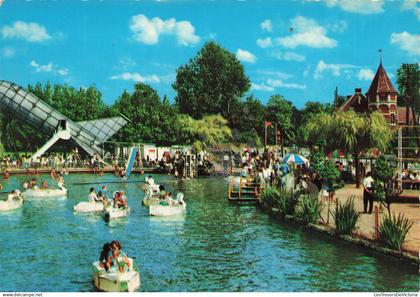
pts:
[407, 42]
[358, 6]
[278, 83]
[31, 32]
[7, 52]
[50, 67]
[63, 71]
[288, 56]
[245, 56]
[266, 26]
[148, 31]
[338, 27]
[266, 42]
[334, 69]
[261, 87]
[411, 5]
[127, 62]
[277, 74]
[365, 74]
[136, 77]
[41, 68]
[307, 33]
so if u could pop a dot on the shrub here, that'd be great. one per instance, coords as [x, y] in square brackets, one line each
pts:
[345, 217]
[311, 210]
[393, 231]
[280, 202]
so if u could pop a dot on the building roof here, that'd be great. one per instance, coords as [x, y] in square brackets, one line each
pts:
[357, 101]
[380, 83]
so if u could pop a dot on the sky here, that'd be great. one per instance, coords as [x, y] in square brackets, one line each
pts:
[302, 50]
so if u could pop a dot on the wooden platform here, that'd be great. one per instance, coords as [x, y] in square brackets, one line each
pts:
[246, 192]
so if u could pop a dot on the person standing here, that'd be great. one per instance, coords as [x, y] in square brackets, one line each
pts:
[368, 193]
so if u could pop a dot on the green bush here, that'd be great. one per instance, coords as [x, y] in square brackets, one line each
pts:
[345, 217]
[393, 231]
[311, 210]
[279, 202]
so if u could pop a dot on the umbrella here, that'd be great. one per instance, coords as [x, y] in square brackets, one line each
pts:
[295, 158]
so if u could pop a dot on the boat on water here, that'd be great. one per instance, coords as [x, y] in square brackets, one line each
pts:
[88, 207]
[178, 207]
[150, 200]
[111, 212]
[45, 193]
[114, 280]
[14, 201]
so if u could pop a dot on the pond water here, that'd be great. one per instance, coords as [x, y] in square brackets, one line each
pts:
[216, 246]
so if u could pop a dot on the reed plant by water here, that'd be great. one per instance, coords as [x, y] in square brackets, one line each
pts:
[345, 217]
[393, 230]
[278, 202]
[310, 210]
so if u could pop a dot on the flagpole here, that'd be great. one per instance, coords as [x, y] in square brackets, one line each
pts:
[276, 135]
[265, 136]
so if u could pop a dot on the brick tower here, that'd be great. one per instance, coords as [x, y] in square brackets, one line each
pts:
[382, 96]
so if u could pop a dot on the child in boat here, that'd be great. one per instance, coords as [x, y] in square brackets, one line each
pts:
[119, 200]
[105, 258]
[44, 185]
[119, 257]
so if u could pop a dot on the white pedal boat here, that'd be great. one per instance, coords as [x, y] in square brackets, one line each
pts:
[111, 212]
[169, 210]
[88, 207]
[114, 280]
[45, 193]
[150, 200]
[14, 201]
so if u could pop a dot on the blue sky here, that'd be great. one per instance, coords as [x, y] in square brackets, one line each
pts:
[299, 49]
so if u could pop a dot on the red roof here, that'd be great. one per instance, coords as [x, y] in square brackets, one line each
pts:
[357, 101]
[380, 84]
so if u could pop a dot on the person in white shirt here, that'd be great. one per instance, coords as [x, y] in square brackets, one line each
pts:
[368, 193]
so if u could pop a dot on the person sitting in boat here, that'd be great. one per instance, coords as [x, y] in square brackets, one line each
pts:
[119, 258]
[15, 194]
[32, 184]
[119, 200]
[162, 192]
[105, 258]
[44, 185]
[123, 199]
[103, 194]
[92, 195]
[150, 181]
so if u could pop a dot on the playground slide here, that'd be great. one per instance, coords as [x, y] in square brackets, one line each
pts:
[130, 163]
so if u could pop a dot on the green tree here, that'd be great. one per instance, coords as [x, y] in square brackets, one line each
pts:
[250, 128]
[213, 82]
[353, 133]
[382, 175]
[151, 119]
[210, 130]
[280, 111]
[408, 79]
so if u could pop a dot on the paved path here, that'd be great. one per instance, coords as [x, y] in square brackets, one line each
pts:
[365, 226]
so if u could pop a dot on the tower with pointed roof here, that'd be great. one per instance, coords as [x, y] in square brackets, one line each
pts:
[382, 96]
